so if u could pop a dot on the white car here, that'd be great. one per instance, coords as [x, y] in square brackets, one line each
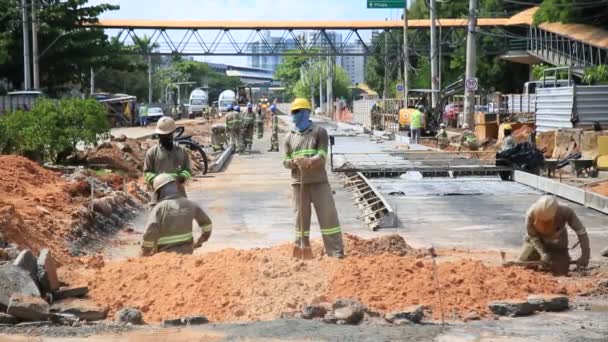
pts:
[155, 113]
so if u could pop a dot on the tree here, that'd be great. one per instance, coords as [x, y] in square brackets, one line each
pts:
[312, 76]
[288, 72]
[146, 46]
[596, 75]
[68, 50]
[573, 11]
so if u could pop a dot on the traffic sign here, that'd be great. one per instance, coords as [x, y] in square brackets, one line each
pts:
[385, 3]
[471, 84]
[400, 87]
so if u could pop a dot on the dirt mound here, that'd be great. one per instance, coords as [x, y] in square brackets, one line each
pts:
[546, 142]
[390, 244]
[522, 134]
[261, 284]
[123, 156]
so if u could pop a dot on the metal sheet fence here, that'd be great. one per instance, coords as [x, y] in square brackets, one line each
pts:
[521, 103]
[591, 105]
[554, 108]
[11, 103]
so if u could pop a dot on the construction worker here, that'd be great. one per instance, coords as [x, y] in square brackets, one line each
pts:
[143, 115]
[218, 136]
[547, 238]
[247, 127]
[416, 124]
[274, 138]
[468, 139]
[233, 128]
[305, 155]
[259, 122]
[442, 137]
[167, 157]
[169, 227]
[508, 141]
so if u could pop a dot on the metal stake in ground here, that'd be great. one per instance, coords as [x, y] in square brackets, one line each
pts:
[302, 252]
[437, 286]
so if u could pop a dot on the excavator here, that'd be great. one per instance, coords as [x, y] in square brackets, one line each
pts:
[434, 116]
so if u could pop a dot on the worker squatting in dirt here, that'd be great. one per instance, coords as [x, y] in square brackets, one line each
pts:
[169, 227]
[305, 154]
[167, 157]
[547, 239]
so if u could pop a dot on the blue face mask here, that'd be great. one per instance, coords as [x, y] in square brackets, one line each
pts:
[301, 119]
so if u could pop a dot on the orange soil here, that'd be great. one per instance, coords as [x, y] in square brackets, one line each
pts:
[260, 284]
[600, 188]
[36, 206]
[522, 134]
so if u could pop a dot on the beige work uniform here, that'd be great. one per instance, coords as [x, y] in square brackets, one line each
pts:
[233, 128]
[247, 127]
[442, 139]
[555, 245]
[259, 122]
[315, 188]
[169, 227]
[218, 136]
[274, 138]
[160, 160]
[469, 140]
[508, 143]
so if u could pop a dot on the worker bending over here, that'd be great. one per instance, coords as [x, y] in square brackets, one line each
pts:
[508, 142]
[247, 127]
[305, 155]
[167, 157]
[468, 139]
[218, 136]
[169, 227]
[547, 239]
[233, 127]
[274, 137]
[442, 137]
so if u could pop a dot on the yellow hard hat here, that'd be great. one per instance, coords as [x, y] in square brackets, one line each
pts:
[507, 127]
[300, 103]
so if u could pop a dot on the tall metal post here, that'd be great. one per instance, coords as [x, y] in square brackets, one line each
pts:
[406, 59]
[150, 79]
[385, 91]
[469, 95]
[330, 108]
[92, 81]
[434, 55]
[35, 70]
[321, 86]
[27, 77]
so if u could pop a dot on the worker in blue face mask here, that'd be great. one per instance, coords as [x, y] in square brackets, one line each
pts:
[305, 155]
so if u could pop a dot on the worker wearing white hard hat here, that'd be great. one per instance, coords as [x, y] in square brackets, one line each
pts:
[547, 237]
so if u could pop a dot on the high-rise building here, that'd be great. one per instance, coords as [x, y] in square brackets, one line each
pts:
[355, 65]
[264, 60]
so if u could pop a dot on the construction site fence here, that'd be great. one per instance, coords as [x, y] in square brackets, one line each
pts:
[12, 103]
[521, 103]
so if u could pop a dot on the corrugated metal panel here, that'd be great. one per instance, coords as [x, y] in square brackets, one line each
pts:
[522, 103]
[554, 107]
[591, 105]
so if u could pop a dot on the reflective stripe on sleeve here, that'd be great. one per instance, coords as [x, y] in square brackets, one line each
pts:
[331, 231]
[166, 240]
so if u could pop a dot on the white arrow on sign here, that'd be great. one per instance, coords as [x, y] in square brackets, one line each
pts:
[471, 84]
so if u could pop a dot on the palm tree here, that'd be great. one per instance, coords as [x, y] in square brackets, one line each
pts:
[146, 46]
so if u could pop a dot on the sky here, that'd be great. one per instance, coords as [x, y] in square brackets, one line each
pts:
[245, 10]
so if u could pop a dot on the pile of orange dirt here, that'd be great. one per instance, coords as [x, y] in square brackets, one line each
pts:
[37, 206]
[261, 284]
[546, 143]
[599, 188]
[122, 155]
[522, 134]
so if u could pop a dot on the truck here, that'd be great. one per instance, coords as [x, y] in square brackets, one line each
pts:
[226, 97]
[198, 105]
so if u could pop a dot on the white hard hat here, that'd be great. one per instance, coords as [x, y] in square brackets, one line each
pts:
[165, 125]
[465, 126]
[162, 180]
[442, 125]
[545, 208]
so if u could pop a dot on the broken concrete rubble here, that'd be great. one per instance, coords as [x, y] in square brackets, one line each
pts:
[70, 292]
[313, 311]
[28, 308]
[512, 308]
[27, 261]
[82, 308]
[549, 302]
[195, 320]
[47, 272]
[7, 319]
[130, 315]
[348, 310]
[15, 280]
[413, 314]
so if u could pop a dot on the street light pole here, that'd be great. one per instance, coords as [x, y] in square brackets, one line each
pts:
[36, 69]
[406, 58]
[471, 66]
[434, 55]
[27, 78]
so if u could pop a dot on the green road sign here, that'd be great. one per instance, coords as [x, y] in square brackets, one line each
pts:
[385, 3]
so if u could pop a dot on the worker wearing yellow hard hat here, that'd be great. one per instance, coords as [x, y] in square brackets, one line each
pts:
[306, 147]
[508, 141]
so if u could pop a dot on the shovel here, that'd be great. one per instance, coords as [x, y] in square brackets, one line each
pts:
[302, 252]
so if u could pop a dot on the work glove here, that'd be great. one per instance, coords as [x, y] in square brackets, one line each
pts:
[180, 179]
[147, 251]
[303, 163]
[545, 258]
[583, 261]
[204, 238]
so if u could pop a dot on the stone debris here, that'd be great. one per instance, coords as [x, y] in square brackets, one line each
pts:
[313, 311]
[195, 320]
[174, 322]
[348, 310]
[15, 280]
[27, 261]
[604, 252]
[70, 292]
[549, 302]
[47, 272]
[130, 315]
[7, 319]
[512, 308]
[84, 309]
[28, 308]
[413, 314]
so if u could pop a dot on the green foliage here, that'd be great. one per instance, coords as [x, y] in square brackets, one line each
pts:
[596, 75]
[312, 74]
[52, 129]
[573, 11]
[288, 72]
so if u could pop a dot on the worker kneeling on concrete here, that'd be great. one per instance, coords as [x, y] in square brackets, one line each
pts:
[468, 139]
[169, 227]
[218, 136]
[547, 238]
[305, 155]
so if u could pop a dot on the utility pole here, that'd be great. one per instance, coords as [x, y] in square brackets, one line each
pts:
[406, 59]
[385, 91]
[321, 86]
[92, 81]
[434, 55]
[36, 69]
[469, 95]
[149, 79]
[330, 98]
[27, 77]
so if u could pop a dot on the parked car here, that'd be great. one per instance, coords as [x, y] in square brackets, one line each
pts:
[155, 113]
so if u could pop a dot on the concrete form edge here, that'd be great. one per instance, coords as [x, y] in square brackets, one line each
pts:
[218, 165]
[389, 220]
[569, 192]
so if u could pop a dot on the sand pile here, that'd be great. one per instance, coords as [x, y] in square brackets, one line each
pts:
[546, 143]
[261, 284]
[522, 134]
